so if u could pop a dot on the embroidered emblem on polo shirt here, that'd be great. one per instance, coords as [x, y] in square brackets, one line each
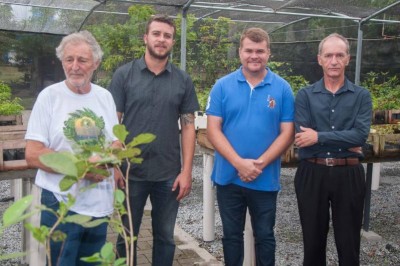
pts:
[271, 102]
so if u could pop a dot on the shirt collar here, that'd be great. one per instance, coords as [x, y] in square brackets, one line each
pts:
[320, 87]
[142, 65]
[267, 79]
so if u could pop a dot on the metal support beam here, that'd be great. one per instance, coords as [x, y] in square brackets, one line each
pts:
[183, 34]
[359, 54]
[367, 201]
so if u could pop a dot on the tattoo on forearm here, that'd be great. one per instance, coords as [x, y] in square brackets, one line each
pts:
[187, 119]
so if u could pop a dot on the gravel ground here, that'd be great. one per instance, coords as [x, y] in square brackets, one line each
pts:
[384, 220]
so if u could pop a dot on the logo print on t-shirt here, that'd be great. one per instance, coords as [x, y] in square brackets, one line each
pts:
[271, 102]
[84, 127]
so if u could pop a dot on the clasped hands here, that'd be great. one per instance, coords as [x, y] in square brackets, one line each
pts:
[249, 169]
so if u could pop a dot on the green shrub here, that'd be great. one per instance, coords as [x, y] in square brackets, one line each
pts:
[385, 91]
[9, 106]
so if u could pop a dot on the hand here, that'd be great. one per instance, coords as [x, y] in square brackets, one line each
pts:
[184, 182]
[119, 178]
[249, 169]
[307, 137]
[96, 178]
[356, 150]
[93, 176]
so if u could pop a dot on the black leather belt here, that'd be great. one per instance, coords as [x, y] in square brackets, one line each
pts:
[335, 161]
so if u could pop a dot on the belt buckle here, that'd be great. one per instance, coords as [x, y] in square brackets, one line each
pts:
[330, 161]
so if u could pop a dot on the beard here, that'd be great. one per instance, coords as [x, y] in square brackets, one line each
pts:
[156, 55]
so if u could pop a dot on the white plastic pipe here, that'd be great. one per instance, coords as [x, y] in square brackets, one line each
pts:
[376, 174]
[249, 250]
[208, 199]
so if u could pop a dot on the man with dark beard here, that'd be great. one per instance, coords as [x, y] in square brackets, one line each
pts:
[151, 95]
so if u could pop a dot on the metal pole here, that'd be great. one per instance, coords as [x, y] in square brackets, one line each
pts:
[183, 34]
[183, 40]
[359, 54]
[367, 202]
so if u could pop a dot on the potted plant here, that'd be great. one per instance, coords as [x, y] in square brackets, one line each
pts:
[10, 108]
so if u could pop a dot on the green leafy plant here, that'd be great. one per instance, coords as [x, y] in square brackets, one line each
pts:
[284, 70]
[74, 167]
[385, 90]
[9, 105]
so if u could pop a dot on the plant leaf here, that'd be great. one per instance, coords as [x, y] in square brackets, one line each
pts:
[107, 252]
[136, 160]
[77, 219]
[141, 139]
[58, 236]
[128, 153]
[119, 196]
[120, 262]
[67, 182]
[14, 213]
[95, 223]
[61, 162]
[120, 132]
[94, 258]
[39, 233]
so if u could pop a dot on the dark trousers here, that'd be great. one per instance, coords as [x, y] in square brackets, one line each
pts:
[233, 202]
[341, 189]
[80, 241]
[163, 216]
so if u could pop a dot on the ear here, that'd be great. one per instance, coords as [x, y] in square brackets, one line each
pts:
[348, 60]
[319, 60]
[96, 64]
[145, 38]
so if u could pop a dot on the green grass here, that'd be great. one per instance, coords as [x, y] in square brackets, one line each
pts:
[10, 74]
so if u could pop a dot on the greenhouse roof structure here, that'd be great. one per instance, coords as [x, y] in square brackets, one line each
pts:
[63, 17]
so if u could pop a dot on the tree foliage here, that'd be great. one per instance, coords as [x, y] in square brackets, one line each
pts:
[212, 48]
[385, 90]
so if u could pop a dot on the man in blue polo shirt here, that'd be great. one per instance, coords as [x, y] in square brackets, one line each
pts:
[250, 124]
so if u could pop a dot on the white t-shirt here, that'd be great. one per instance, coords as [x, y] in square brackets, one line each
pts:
[59, 119]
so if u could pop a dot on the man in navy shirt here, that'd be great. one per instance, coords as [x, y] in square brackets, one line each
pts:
[332, 119]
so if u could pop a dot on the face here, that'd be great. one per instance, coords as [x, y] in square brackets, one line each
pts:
[254, 56]
[333, 58]
[159, 40]
[78, 65]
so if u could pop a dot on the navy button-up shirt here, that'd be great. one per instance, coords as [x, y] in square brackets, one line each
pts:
[342, 120]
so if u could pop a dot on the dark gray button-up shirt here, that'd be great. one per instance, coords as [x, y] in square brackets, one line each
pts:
[153, 104]
[342, 120]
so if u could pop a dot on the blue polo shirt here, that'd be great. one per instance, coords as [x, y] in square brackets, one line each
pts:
[251, 120]
[342, 120]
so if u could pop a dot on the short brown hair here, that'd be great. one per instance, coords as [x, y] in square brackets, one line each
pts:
[255, 35]
[163, 19]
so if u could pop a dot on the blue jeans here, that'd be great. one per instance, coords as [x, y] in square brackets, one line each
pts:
[80, 241]
[233, 202]
[163, 216]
